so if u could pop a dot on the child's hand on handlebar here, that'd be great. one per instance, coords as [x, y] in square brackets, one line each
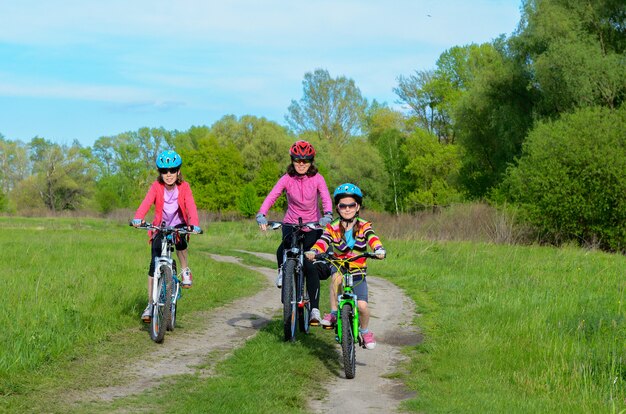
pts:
[380, 254]
[310, 255]
[136, 222]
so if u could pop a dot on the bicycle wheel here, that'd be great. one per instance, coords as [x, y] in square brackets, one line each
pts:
[347, 341]
[289, 300]
[161, 310]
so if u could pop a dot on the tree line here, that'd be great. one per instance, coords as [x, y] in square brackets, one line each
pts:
[535, 120]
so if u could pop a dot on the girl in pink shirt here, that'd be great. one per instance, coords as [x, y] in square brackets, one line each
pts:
[304, 188]
[173, 205]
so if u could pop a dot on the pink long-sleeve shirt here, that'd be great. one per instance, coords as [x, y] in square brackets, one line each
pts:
[156, 196]
[302, 197]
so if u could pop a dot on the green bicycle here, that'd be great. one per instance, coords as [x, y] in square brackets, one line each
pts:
[347, 327]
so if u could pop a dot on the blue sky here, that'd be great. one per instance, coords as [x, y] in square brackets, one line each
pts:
[82, 69]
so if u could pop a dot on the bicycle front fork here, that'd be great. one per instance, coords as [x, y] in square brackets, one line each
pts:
[351, 300]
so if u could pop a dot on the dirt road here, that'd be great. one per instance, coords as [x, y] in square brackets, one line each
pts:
[230, 326]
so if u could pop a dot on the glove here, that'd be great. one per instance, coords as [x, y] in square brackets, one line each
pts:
[197, 229]
[136, 222]
[261, 219]
[380, 253]
[328, 217]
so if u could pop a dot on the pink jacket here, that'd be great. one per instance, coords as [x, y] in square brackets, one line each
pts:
[302, 197]
[156, 196]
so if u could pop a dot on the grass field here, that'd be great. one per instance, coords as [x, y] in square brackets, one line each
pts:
[507, 328]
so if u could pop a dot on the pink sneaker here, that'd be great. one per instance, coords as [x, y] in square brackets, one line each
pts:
[329, 321]
[369, 341]
[187, 279]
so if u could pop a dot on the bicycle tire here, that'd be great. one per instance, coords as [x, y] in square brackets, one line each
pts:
[289, 300]
[157, 323]
[161, 310]
[347, 341]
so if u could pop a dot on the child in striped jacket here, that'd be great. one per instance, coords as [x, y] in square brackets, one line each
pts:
[348, 236]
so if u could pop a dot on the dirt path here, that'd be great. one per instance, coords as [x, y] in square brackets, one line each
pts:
[392, 314]
[230, 326]
[369, 392]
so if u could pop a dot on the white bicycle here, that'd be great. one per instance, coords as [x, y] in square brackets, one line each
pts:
[166, 286]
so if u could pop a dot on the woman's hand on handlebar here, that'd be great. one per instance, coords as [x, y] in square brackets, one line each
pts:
[261, 221]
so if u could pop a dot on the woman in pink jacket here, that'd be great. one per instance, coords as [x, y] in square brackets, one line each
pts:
[304, 188]
[173, 204]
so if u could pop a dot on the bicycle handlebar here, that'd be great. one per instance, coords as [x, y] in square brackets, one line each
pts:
[331, 256]
[164, 229]
[313, 225]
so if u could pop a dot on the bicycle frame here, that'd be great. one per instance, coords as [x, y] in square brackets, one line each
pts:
[293, 256]
[347, 296]
[167, 247]
[164, 296]
[347, 309]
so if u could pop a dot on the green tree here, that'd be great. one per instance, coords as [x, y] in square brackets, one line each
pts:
[248, 201]
[333, 108]
[492, 118]
[257, 139]
[575, 53]
[386, 133]
[359, 162]
[434, 172]
[215, 172]
[265, 180]
[63, 176]
[570, 179]
[14, 163]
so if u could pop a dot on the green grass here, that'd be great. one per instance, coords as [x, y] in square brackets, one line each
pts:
[514, 329]
[71, 286]
[506, 328]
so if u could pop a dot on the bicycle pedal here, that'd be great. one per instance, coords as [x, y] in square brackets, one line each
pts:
[328, 328]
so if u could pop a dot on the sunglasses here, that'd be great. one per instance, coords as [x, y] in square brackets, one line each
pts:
[345, 206]
[169, 170]
[301, 161]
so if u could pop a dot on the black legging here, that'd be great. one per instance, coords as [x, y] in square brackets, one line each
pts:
[311, 276]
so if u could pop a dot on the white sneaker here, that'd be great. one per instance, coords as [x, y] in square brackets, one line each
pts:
[187, 279]
[146, 316]
[279, 279]
[315, 318]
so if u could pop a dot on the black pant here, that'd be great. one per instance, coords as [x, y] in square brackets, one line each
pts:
[311, 276]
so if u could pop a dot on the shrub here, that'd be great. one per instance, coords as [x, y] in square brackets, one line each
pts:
[571, 178]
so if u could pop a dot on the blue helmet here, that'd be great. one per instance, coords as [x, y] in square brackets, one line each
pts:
[348, 190]
[169, 159]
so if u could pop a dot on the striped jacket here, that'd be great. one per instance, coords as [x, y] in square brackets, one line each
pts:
[363, 235]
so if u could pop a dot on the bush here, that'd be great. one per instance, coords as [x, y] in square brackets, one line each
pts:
[571, 178]
[248, 201]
